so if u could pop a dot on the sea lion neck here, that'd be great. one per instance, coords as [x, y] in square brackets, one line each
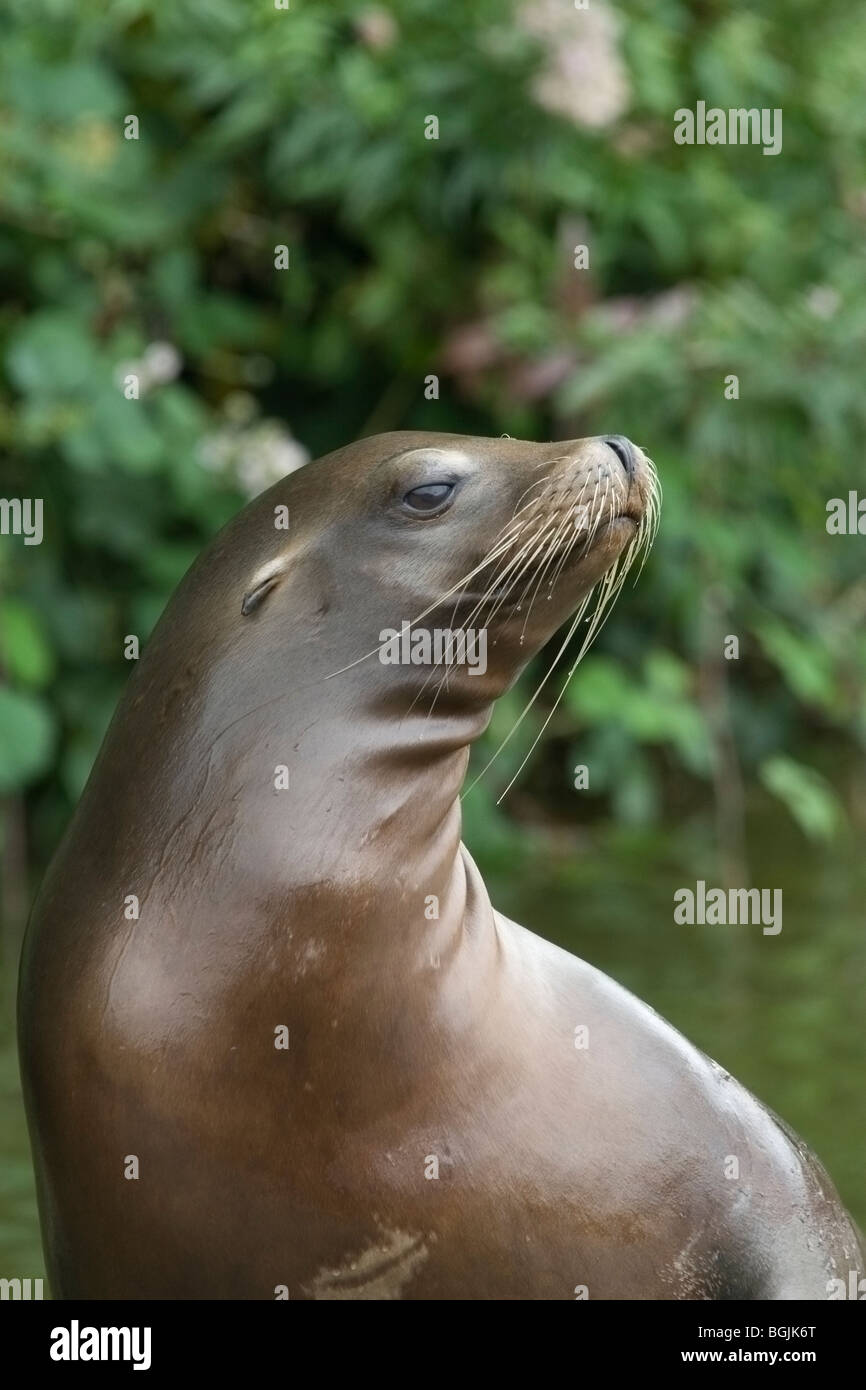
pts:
[352, 800]
[320, 809]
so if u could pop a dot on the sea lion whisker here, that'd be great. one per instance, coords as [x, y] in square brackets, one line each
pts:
[497, 579]
[436, 604]
[531, 702]
[540, 540]
[538, 579]
[466, 625]
[543, 483]
[564, 558]
[610, 587]
[571, 512]
[587, 542]
[605, 594]
[577, 535]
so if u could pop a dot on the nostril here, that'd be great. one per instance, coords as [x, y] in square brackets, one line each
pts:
[623, 449]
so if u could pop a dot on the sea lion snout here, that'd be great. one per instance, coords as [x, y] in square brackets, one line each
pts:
[598, 491]
[618, 471]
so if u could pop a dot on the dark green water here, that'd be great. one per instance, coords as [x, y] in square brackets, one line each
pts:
[782, 1013]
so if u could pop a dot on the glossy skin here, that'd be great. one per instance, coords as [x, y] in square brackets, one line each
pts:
[413, 1042]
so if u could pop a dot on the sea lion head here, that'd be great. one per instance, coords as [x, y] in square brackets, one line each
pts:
[413, 535]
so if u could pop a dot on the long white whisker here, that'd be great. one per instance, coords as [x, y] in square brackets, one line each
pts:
[498, 579]
[436, 604]
[605, 594]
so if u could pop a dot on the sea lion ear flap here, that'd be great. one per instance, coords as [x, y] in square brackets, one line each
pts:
[255, 596]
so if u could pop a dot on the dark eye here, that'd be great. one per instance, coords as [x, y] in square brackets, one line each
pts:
[428, 498]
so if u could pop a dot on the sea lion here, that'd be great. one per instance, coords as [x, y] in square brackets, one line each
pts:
[317, 1063]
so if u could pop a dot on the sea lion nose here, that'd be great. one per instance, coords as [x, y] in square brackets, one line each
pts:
[624, 450]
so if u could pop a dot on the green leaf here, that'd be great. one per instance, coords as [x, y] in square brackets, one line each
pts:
[807, 795]
[26, 739]
[599, 691]
[51, 355]
[805, 664]
[25, 653]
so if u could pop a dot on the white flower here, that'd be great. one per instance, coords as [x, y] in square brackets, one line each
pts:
[823, 301]
[215, 452]
[254, 456]
[161, 363]
[267, 454]
[583, 76]
[158, 364]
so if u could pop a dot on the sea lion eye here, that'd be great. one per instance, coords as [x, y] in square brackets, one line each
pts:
[430, 497]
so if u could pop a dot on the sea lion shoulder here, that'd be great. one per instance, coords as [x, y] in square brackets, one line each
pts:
[763, 1220]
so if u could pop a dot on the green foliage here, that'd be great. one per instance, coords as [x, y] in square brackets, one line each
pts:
[305, 128]
[25, 739]
[812, 803]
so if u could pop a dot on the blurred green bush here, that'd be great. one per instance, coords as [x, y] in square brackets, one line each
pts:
[260, 127]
